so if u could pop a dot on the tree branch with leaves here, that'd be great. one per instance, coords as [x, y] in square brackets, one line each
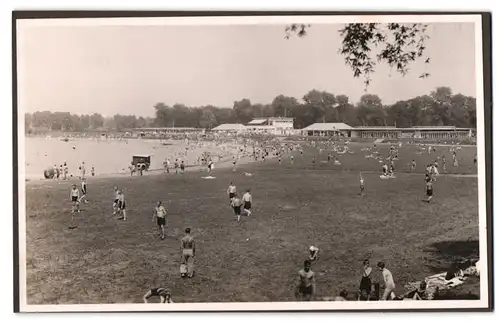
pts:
[364, 45]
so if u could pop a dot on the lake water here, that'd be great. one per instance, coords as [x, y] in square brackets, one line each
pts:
[107, 156]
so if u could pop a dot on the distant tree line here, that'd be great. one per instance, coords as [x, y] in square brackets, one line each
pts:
[440, 108]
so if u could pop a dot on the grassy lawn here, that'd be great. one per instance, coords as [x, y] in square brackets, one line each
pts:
[110, 261]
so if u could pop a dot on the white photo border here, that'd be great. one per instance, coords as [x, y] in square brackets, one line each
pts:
[306, 18]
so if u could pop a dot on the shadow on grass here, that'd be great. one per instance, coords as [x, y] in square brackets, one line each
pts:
[446, 255]
[452, 256]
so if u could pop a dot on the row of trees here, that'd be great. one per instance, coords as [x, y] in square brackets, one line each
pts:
[65, 121]
[440, 108]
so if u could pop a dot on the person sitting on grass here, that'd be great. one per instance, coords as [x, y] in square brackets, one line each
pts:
[313, 253]
[342, 296]
[418, 294]
[163, 293]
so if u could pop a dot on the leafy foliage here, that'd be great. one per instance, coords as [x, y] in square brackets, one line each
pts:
[366, 44]
[440, 107]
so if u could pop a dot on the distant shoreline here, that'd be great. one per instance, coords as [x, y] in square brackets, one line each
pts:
[223, 164]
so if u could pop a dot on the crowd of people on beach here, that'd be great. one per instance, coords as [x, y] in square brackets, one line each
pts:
[237, 149]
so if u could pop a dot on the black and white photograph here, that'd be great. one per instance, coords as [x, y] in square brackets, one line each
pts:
[218, 162]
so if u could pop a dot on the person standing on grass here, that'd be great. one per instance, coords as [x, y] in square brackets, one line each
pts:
[74, 195]
[247, 202]
[455, 161]
[443, 160]
[168, 165]
[292, 159]
[65, 171]
[160, 214]
[365, 286]
[83, 170]
[231, 191]
[188, 254]
[183, 166]
[384, 169]
[429, 191]
[236, 205]
[163, 293]
[413, 165]
[84, 192]
[307, 283]
[122, 205]
[131, 168]
[361, 184]
[234, 164]
[475, 159]
[115, 201]
[176, 166]
[388, 282]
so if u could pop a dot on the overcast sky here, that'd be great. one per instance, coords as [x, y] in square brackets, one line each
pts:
[127, 69]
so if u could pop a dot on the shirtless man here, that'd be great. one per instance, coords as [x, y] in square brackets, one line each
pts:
[307, 283]
[188, 253]
[247, 202]
[231, 191]
[159, 213]
[388, 282]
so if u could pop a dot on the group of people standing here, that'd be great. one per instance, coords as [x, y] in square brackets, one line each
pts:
[369, 290]
[236, 203]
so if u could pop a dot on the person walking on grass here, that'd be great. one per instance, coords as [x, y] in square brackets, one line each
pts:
[160, 214]
[429, 191]
[231, 191]
[247, 202]
[115, 201]
[122, 206]
[84, 192]
[187, 254]
[388, 282]
[163, 293]
[236, 205]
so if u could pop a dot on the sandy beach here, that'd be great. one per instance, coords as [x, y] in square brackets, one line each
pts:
[109, 166]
